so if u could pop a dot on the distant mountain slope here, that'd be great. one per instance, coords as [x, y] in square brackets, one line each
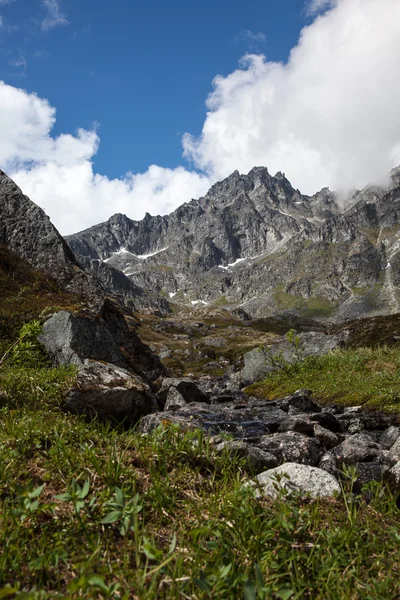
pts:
[255, 243]
[28, 232]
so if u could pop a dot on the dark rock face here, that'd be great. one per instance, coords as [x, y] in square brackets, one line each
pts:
[27, 231]
[108, 392]
[262, 248]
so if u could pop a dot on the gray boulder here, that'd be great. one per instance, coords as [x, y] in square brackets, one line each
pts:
[300, 401]
[189, 390]
[107, 392]
[356, 449]
[255, 367]
[256, 459]
[327, 438]
[297, 478]
[71, 338]
[395, 449]
[292, 447]
[389, 437]
[392, 478]
[299, 424]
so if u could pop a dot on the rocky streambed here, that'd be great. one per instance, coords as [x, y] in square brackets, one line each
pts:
[314, 443]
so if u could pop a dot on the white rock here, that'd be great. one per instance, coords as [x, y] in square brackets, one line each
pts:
[296, 478]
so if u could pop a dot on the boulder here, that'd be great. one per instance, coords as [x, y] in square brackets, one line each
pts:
[71, 339]
[326, 438]
[255, 367]
[189, 390]
[327, 421]
[392, 478]
[395, 449]
[389, 437]
[296, 478]
[301, 401]
[292, 447]
[356, 449]
[366, 473]
[256, 459]
[299, 424]
[107, 392]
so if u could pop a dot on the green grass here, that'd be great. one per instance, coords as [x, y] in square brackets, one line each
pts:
[90, 511]
[25, 294]
[368, 376]
[316, 306]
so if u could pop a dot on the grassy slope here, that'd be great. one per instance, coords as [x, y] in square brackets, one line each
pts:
[191, 529]
[351, 377]
[25, 293]
[180, 523]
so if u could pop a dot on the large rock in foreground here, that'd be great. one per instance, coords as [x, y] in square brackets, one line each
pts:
[108, 392]
[71, 339]
[294, 478]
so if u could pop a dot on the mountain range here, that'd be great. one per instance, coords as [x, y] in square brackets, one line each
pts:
[258, 247]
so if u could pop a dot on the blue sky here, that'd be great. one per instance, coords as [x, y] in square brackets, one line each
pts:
[140, 106]
[141, 70]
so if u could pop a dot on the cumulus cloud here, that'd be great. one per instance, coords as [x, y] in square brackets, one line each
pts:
[57, 172]
[54, 15]
[329, 116]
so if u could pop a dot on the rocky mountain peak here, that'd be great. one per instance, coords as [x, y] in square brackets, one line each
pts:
[254, 242]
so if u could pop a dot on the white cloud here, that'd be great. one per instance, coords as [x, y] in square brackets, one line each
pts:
[329, 116]
[252, 36]
[316, 6]
[57, 172]
[54, 16]
[1, 21]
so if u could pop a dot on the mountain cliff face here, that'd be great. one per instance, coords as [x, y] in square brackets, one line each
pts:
[256, 245]
[26, 230]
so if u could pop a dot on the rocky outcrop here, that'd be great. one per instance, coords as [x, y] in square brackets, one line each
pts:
[107, 392]
[258, 246]
[26, 230]
[71, 339]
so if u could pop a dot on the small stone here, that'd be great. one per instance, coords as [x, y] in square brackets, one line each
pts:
[299, 424]
[389, 437]
[175, 400]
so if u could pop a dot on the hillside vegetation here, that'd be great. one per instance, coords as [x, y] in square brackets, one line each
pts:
[367, 376]
[91, 511]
